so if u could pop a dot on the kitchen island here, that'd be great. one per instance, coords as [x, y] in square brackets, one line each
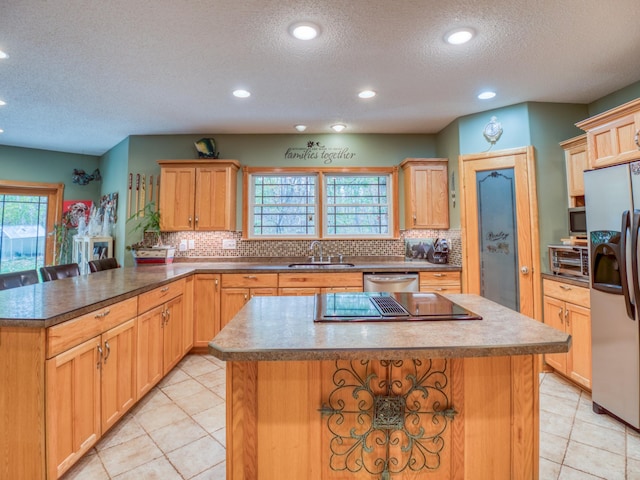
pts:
[382, 400]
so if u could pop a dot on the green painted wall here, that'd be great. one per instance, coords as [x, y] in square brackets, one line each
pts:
[32, 165]
[624, 95]
[515, 129]
[448, 146]
[551, 123]
[271, 151]
[114, 165]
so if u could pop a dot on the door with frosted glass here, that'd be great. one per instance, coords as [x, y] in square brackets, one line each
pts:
[500, 231]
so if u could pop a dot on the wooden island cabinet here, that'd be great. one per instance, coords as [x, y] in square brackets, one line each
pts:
[369, 400]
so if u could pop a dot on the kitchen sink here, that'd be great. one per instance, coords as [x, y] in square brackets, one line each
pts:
[321, 265]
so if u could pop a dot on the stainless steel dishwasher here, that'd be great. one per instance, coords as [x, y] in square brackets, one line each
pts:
[391, 282]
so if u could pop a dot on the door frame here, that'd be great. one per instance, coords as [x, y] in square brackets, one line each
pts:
[496, 159]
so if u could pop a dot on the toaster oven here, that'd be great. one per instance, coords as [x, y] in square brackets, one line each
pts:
[572, 260]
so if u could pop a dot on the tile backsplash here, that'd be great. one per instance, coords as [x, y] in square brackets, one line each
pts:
[209, 245]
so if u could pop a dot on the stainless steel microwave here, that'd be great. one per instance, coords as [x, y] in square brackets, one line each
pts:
[572, 260]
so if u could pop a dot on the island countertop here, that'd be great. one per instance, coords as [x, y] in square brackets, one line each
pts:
[282, 328]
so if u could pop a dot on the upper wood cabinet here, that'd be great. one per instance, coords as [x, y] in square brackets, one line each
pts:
[426, 193]
[198, 194]
[577, 161]
[612, 135]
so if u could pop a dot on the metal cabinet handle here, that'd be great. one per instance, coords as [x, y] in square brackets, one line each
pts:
[246, 297]
[164, 289]
[637, 139]
[100, 357]
[164, 318]
[566, 317]
[108, 348]
[216, 282]
[103, 314]
[565, 287]
[439, 275]
[560, 316]
[250, 277]
[190, 220]
[197, 219]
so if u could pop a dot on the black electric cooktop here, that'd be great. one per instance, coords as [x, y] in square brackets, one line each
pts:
[388, 307]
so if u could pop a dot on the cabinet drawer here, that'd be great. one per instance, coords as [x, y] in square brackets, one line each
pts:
[249, 280]
[159, 295]
[429, 287]
[69, 334]
[439, 278]
[566, 292]
[320, 280]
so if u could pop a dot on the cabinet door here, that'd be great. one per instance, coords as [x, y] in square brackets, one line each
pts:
[231, 301]
[206, 308]
[577, 162]
[427, 198]
[614, 142]
[150, 349]
[554, 313]
[579, 326]
[214, 205]
[72, 406]
[173, 325]
[118, 372]
[187, 315]
[177, 197]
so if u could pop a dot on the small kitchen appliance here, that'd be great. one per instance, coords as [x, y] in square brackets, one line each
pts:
[571, 260]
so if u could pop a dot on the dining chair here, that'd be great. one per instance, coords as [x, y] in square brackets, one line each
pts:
[103, 264]
[56, 272]
[18, 279]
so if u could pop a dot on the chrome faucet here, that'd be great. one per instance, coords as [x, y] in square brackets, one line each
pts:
[313, 244]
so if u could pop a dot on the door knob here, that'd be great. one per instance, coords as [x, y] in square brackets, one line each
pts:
[524, 270]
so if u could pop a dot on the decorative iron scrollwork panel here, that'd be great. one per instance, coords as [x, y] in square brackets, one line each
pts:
[387, 417]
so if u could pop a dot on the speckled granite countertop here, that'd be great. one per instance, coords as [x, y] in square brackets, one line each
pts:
[50, 303]
[282, 328]
[577, 281]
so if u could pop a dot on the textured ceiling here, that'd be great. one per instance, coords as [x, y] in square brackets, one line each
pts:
[84, 74]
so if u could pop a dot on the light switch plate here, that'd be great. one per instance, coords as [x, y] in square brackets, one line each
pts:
[183, 245]
[229, 244]
[192, 244]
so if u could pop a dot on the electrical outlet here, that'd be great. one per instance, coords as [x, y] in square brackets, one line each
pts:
[183, 245]
[192, 244]
[229, 244]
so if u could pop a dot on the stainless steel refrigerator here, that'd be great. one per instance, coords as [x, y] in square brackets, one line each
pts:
[612, 197]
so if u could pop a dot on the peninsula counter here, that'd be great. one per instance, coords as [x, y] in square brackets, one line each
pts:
[377, 400]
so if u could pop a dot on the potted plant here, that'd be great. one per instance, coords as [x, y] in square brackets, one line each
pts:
[149, 249]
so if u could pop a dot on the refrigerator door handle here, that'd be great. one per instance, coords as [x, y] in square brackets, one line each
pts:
[624, 279]
[635, 233]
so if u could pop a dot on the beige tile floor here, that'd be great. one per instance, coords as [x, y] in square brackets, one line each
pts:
[178, 432]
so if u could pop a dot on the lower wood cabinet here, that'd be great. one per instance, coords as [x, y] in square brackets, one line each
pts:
[440, 282]
[311, 283]
[160, 331]
[239, 288]
[206, 309]
[90, 386]
[566, 307]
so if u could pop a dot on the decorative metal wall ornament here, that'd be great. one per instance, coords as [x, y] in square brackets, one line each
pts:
[492, 131]
[387, 417]
[82, 178]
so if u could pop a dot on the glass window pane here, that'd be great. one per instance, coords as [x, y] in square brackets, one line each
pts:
[23, 222]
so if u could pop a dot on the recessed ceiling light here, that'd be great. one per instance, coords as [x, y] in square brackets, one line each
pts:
[301, 128]
[304, 30]
[486, 95]
[3, 55]
[459, 36]
[338, 127]
[1, 130]
[241, 93]
[2, 102]
[367, 94]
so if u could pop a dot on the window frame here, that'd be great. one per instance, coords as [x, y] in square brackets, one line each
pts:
[54, 193]
[321, 172]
